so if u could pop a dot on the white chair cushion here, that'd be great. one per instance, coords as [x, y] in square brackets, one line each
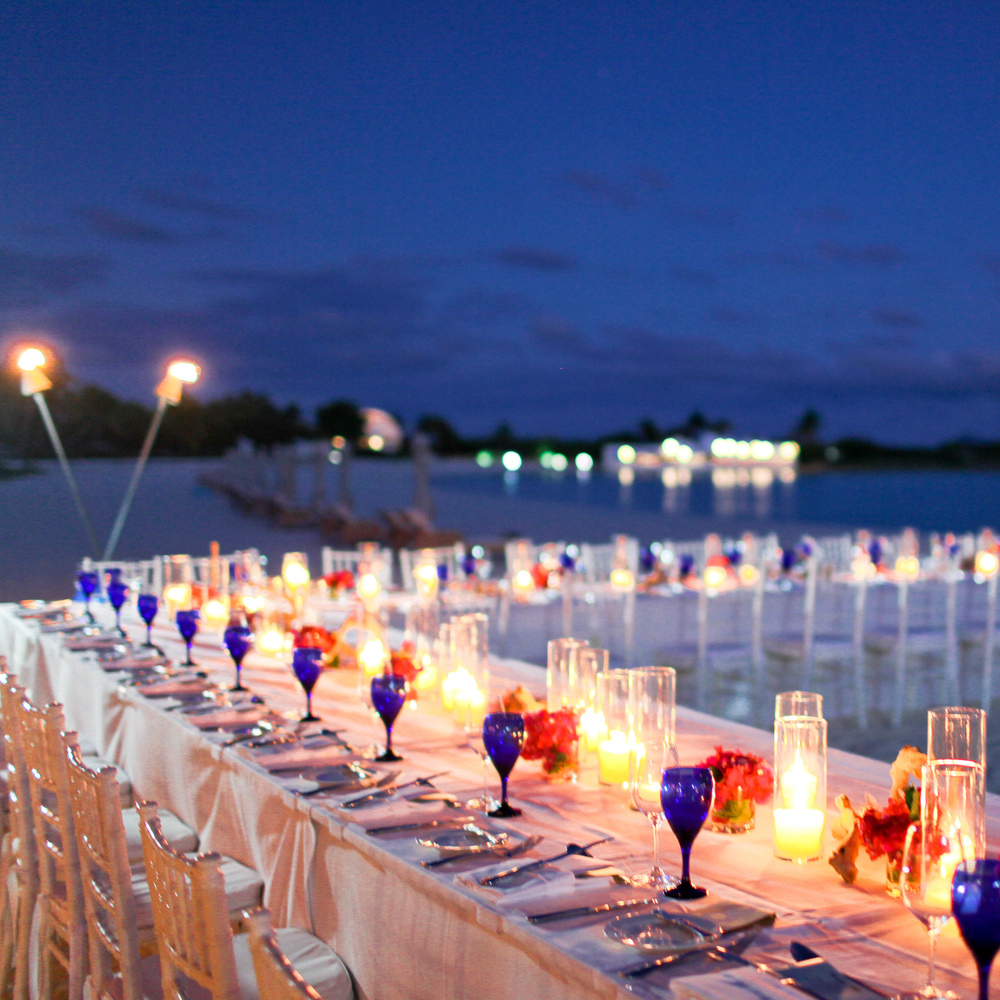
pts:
[180, 836]
[316, 962]
[244, 891]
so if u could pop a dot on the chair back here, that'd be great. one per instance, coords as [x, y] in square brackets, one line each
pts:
[22, 828]
[449, 556]
[338, 560]
[106, 878]
[189, 914]
[277, 978]
[52, 811]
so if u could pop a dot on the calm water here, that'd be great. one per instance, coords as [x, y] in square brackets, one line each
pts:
[41, 540]
[926, 500]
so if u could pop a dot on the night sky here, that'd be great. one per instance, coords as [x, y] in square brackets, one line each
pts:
[567, 215]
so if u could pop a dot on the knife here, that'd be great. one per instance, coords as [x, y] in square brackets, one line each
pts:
[383, 793]
[499, 876]
[583, 911]
[374, 831]
[819, 978]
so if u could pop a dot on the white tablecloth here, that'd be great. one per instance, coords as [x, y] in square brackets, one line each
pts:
[409, 932]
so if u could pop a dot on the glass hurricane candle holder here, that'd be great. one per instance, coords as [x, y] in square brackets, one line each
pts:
[471, 677]
[800, 788]
[561, 666]
[585, 667]
[798, 704]
[611, 733]
[957, 733]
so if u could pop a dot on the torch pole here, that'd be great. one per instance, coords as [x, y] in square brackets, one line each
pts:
[147, 447]
[50, 426]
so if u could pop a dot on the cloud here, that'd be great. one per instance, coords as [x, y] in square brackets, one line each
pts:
[193, 205]
[702, 215]
[873, 255]
[692, 276]
[600, 188]
[554, 333]
[116, 226]
[483, 307]
[734, 317]
[653, 179]
[535, 259]
[29, 280]
[826, 215]
[897, 319]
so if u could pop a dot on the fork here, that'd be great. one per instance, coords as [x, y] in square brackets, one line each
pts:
[499, 853]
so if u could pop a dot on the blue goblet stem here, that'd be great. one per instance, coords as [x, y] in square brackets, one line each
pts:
[504, 804]
[189, 662]
[686, 866]
[149, 635]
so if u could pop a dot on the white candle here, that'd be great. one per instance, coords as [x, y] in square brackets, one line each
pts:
[798, 833]
[798, 786]
[612, 759]
[592, 728]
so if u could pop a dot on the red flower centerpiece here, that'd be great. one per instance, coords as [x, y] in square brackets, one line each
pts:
[319, 638]
[552, 738]
[402, 661]
[741, 781]
[338, 582]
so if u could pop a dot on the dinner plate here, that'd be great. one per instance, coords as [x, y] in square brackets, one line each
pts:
[655, 931]
[464, 838]
[337, 774]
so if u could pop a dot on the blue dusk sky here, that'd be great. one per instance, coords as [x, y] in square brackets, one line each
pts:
[568, 215]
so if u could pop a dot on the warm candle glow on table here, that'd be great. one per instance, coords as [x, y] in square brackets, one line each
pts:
[612, 758]
[215, 613]
[372, 657]
[177, 596]
[798, 828]
[592, 728]
[271, 641]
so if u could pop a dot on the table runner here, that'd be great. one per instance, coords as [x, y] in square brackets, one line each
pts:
[405, 931]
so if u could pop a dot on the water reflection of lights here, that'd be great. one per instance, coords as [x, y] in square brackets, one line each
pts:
[786, 475]
[626, 476]
[673, 477]
[762, 478]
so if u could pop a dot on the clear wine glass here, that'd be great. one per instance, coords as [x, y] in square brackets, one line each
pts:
[238, 640]
[925, 885]
[651, 711]
[117, 591]
[503, 737]
[686, 794]
[148, 605]
[187, 625]
[474, 739]
[975, 901]
[307, 665]
[388, 696]
[88, 585]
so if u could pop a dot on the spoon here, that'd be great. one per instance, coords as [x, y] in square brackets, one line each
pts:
[570, 849]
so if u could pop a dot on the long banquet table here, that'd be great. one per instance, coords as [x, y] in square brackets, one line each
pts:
[409, 932]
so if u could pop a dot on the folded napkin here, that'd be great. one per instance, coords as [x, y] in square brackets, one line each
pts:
[535, 885]
[95, 642]
[728, 915]
[167, 688]
[303, 753]
[226, 717]
[730, 982]
[135, 663]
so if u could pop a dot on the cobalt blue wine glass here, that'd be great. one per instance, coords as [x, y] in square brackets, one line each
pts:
[686, 794]
[187, 625]
[148, 605]
[307, 664]
[117, 591]
[237, 639]
[88, 585]
[388, 695]
[503, 737]
[975, 904]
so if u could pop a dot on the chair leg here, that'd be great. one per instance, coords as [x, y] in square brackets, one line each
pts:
[23, 916]
[77, 961]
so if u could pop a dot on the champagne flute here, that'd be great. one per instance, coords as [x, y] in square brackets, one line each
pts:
[651, 750]
[925, 885]
[686, 794]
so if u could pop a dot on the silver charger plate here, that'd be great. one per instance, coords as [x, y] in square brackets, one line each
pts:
[656, 931]
[337, 774]
[465, 838]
